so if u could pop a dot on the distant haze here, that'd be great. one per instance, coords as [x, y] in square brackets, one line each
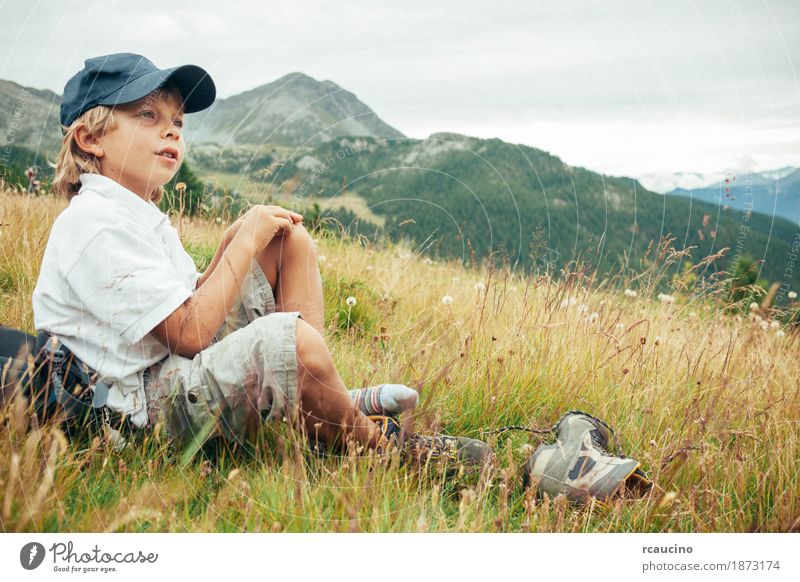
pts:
[627, 88]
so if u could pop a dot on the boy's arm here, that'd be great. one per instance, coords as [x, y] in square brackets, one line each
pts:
[230, 232]
[214, 262]
[191, 327]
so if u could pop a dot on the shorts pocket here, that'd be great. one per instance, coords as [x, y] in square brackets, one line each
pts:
[189, 411]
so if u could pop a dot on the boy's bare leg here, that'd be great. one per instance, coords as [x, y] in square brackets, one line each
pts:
[290, 264]
[326, 410]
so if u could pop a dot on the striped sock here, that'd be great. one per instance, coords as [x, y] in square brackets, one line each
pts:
[388, 399]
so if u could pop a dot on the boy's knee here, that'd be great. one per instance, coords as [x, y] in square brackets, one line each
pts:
[312, 353]
[300, 239]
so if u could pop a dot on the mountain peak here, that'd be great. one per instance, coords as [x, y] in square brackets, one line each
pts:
[295, 110]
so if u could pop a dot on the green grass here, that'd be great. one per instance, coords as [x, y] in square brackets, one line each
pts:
[707, 402]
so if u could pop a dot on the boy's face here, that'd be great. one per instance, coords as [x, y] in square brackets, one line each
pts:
[145, 148]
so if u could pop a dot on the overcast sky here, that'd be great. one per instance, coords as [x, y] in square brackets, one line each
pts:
[634, 88]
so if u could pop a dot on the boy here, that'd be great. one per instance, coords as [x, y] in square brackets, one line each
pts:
[211, 354]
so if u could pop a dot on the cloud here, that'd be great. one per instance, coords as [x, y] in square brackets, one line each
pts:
[541, 73]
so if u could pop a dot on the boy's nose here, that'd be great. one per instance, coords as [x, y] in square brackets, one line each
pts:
[172, 131]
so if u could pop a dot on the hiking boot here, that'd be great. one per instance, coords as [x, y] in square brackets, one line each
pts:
[579, 466]
[461, 449]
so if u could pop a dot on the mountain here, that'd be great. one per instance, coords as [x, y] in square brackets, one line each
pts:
[775, 192]
[460, 195]
[295, 110]
[666, 182]
[29, 117]
[456, 195]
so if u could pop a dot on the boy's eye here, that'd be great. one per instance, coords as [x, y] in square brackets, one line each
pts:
[179, 122]
[146, 113]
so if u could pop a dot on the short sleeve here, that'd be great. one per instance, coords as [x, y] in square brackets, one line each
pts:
[124, 278]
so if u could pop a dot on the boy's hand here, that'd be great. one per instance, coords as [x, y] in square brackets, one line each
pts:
[260, 224]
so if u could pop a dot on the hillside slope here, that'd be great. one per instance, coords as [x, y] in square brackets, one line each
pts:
[450, 189]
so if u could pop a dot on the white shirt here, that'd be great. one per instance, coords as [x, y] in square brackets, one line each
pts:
[113, 269]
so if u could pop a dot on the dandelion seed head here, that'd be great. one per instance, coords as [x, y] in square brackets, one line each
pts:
[447, 300]
[780, 333]
[792, 294]
[479, 286]
[322, 258]
[620, 325]
[351, 301]
[753, 306]
[666, 298]
[630, 293]
[774, 324]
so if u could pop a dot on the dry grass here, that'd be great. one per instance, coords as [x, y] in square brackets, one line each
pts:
[709, 404]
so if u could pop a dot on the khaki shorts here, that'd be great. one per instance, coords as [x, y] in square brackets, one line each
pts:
[247, 376]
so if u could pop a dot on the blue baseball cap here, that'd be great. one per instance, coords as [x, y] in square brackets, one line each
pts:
[125, 77]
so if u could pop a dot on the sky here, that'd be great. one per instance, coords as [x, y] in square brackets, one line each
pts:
[659, 91]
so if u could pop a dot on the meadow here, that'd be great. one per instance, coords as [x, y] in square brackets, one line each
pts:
[707, 400]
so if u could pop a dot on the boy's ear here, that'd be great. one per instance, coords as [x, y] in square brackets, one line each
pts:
[88, 142]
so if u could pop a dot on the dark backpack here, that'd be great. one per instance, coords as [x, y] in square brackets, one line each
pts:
[56, 384]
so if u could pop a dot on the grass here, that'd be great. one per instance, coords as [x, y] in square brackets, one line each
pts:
[708, 402]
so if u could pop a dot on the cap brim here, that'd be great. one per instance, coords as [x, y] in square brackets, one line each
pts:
[195, 84]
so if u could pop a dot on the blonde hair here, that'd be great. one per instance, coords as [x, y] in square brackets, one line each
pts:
[72, 161]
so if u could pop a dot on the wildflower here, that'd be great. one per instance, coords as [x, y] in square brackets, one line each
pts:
[593, 316]
[180, 186]
[583, 308]
[322, 258]
[774, 324]
[780, 333]
[792, 295]
[764, 325]
[447, 300]
[479, 286]
[568, 302]
[666, 298]
[219, 220]
[692, 314]
[620, 326]
[753, 306]
[630, 293]
[350, 301]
